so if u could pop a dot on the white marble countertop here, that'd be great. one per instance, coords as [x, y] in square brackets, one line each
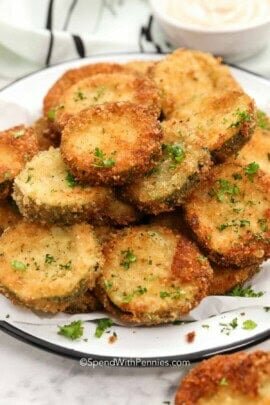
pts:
[32, 376]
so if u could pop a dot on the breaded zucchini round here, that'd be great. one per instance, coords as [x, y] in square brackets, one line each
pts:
[119, 212]
[111, 143]
[107, 88]
[43, 266]
[185, 76]
[9, 215]
[235, 379]
[71, 77]
[225, 279]
[230, 215]
[151, 275]
[258, 149]
[225, 122]
[140, 66]
[184, 162]
[17, 146]
[45, 191]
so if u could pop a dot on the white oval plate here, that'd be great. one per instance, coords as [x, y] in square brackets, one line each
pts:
[137, 345]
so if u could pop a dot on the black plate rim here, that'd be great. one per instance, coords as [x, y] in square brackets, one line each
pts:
[128, 361]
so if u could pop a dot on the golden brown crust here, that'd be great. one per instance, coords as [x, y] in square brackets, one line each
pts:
[9, 215]
[17, 146]
[43, 267]
[84, 304]
[198, 75]
[111, 143]
[184, 162]
[230, 215]
[225, 279]
[238, 378]
[151, 275]
[141, 66]
[46, 135]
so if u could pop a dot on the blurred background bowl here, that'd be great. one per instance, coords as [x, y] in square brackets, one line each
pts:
[230, 43]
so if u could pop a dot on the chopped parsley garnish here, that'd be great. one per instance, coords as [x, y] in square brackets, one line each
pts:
[251, 170]
[71, 181]
[224, 187]
[164, 294]
[242, 117]
[99, 93]
[102, 161]
[17, 265]
[138, 292]
[52, 112]
[247, 292]
[263, 224]
[128, 258]
[262, 120]
[19, 133]
[108, 284]
[103, 324]
[66, 266]
[223, 382]
[267, 309]
[249, 325]
[79, 95]
[173, 295]
[242, 223]
[49, 259]
[228, 327]
[176, 153]
[72, 331]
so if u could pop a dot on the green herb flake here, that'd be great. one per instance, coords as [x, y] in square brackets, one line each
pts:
[164, 294]
[262, 120]
[71, 181]
[103, 324]
[19, 133]
[17, 265]
[99, 93]
[224, 187]
[241, 118]
[102, 161]
[246, 292]
[267, 309]
[108, 284]
[263, 224]
[223, 382]
[72, 331]
[79, 96]
[251, 170]
[49, 259]
[249, 325]
[66, 266]
[128, 258]
[175, 152]
[228, 327]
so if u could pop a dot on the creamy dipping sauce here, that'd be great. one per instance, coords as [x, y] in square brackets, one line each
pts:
[219, 14]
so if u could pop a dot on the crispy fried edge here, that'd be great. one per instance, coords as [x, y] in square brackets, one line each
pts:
[148, 140]
[242, 371]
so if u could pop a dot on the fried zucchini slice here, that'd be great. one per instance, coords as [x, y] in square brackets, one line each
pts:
[140, 66]
[9, 215]
[43, 266]
[119, 212]
[257, 149]
[45, 191]
[230, 215]
[107, 88]
[225, 279]
[236, 379]
[185, 76]
[111, 143]
[71, 77]
[151, 275]
[46, 135]
[225, 123]
[17, 146]
[184, 162]
[84, 304]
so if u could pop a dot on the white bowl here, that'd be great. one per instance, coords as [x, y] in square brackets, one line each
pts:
[231, 43]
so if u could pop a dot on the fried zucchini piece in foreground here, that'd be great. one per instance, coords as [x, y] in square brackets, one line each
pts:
[107, 88]
[258, 149]
[17, 146]
[235, 379]
[230, 215]
[184, 76]
[45, 191]
[141, 66]
[111, 143]
[225, 279]
[183, 163]
[151, 275]
[224, 123]
[9, 215]
[47, 267]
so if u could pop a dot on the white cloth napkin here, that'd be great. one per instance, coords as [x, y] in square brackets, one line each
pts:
[38, 33]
